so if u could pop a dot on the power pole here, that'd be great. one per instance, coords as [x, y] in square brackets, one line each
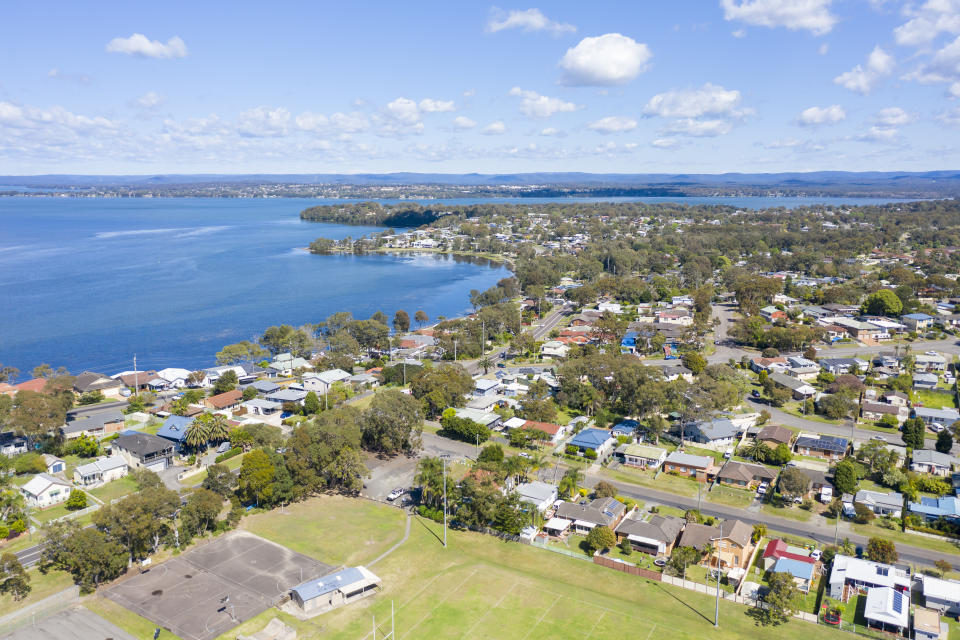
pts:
[444, 462]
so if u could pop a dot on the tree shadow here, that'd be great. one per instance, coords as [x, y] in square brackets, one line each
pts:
[688, 606]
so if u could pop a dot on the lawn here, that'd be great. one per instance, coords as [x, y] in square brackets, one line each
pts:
[333, 529]
[482, 587]
[933, 399]
[138, 626]
[54, 512]
[115, 489]
[792, 512]
[900, 537]
[722, 494]
[666, 482]
[229, 463]
[42, 586]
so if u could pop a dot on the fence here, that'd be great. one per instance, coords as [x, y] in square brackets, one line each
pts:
[39, 610]
[190, 472]
[579, 555]
[76, 514]
[626, 567]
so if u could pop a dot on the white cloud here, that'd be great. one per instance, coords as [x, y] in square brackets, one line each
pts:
[610, 59]
[807, 15]
[822, 115]
[739, 33]
[28, 117]
[552, 132]
[141, 46]
[954, 90]
[349, 122]
[310, 121]
[944, 66]
[700, 128]
[613, 124]
[149, 100]
[527, 21]
[463, 122]
[263, 122]
[494, 129]
[404, 110]
[824, 49]
[951, 117]
[879, 134]
[664, 143]
[929, 21]
[864, 80]
[80, 78]
[469, 93]
[429, 105]
[894, 117]
[534, 105]
[710, 99]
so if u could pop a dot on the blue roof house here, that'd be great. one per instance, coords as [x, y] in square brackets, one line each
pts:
[917, 321]
[629, 342]
[599, 440]
[625, 428]
[802, 572]
[174, 429]
[931, 509]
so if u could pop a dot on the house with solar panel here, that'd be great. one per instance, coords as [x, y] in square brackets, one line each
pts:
[821, 446]
[335, 590]
[852, 576]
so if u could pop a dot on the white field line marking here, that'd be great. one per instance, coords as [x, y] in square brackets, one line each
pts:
[498, 603]
[542, 616]
[449, 593]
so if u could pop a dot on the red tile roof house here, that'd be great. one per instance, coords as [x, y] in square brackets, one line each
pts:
[223, 401]
[777, 549]
[555, 431]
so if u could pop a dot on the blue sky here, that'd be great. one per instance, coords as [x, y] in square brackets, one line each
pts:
[705, 86]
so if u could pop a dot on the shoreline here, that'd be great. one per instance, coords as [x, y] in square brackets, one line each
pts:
[492, 257]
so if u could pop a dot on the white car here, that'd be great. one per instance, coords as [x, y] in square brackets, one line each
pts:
[816, 553]
[396, 493]
[936, 427]
[880, 438]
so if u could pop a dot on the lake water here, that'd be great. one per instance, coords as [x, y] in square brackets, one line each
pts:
[86, 283]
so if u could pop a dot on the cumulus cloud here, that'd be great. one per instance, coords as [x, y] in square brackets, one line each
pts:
[494, 129]
[893, 117]
[864, 79]
[814, 116]
[349, 122]
[534, 105]
[527, 21]
[879, 134]
[739, 33]
[141, 46]
[310, 121]
[429, 105]
[552, 132]
[664, 143]
[404, 110]
[27, 117]
[263, 122]
[699, 128]
[613, 124]
[149, 100]
[929, 21]
[806, 15]
[463, 122]
[610, 59]
[943, 66]
[710, 99]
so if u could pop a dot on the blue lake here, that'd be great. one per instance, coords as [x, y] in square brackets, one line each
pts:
[85, 283]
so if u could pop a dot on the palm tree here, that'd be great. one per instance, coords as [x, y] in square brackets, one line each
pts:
[538, 461]
[218, 428]
[198, 434]
[570, 482]
[755, 449]
[486, 362]
[430, 478]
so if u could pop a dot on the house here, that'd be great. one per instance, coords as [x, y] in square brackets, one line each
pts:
[882, 504]
[821, 446]
[554, 432]
[88, 381]
[262, 407]
[364, 380]
[840, 366]
[95, 424]
[777, 549]
[557, 527]
[599, 440]
[802, 368]
[927, 625]
[917, 321]
[627, 428]
[887, 609]
[849, 576]
[896, 398]
[600, 511]
[932, 509]
[941, 595]
[819, 480]
[730, 544]
[54, 464]
[170, 378]
[672, 372]
[174, 429]
[44, 490]
[489, 420]
[759, 364]
[136, 380]
[719, 432]
[678, 317]
[224, 401]
[930, 461]
[265, 386]
[802, 572]
[628, 344]
[12, 444]
[641, 455]
[334, 590]
[925, 381]
[539, 494]
[554, 349]
[485, 387]
[945, 417]
[655, 536]
[877, 410]
[284, 364]
[686, 464]
[743, 474]
[774, 435]
[100, 471]
[610, 307]
[772, 314]
[320, 383]
[797, 387]
[142, 450]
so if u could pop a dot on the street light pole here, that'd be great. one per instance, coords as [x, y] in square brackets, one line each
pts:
[444, 463]
[716, 613]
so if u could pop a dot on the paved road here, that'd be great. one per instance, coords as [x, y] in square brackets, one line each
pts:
[30, 556]
[814, 530]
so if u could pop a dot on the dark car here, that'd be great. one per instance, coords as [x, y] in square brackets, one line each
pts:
[755, 393]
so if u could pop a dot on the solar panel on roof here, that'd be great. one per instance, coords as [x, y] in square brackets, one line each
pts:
[898, 602]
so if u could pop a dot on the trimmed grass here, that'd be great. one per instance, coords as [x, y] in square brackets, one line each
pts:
[230, 463]
[115, 489]
[681, 486]
[793, 513]
[54, 512]
[482, 587]
[897, 536]
[127, 620]
[42, 586]
[333, 529]
[933, 399]
[722, 494]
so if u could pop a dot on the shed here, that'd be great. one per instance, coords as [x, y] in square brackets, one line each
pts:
[335, 590]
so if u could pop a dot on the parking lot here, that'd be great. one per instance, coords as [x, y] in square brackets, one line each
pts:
[213, 588]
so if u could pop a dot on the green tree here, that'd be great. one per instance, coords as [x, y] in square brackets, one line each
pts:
[244, 351]
[219, 480]
[200, 513]
[759, 531]
[882, 303]
[836, 406]
[8, 374]
[401, 321]
[226, 382]
[13, 578]
[393, 423]
[491, 453]
[254, 484]
[881, 550]
[781, 600]
[944, 441]
[249, 393]
[311, 404]
[140, 521]
[77, 500]
[421, 317]
[509, 516]
[298, 342]
[429, 478]
[846, 476]
[681, 558]
[793, 482]
[601, 537]
[37, 414]
[198, 433]
[914, 430]
[604, 489]
[570, 482]
[486, 363]
[90, 555]
[441, 387]
[694, 361]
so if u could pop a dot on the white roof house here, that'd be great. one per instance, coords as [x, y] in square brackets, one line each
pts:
[101, 471]
[887, 607]
[865, 574]
[324, 380]
[943, 595]
[44, 490]
[540, 494]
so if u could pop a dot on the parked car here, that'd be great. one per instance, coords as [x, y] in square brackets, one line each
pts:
[396, 493]
[755, 393]
[936, 427]
[880, 438]
[816, 553]
[762, 489]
